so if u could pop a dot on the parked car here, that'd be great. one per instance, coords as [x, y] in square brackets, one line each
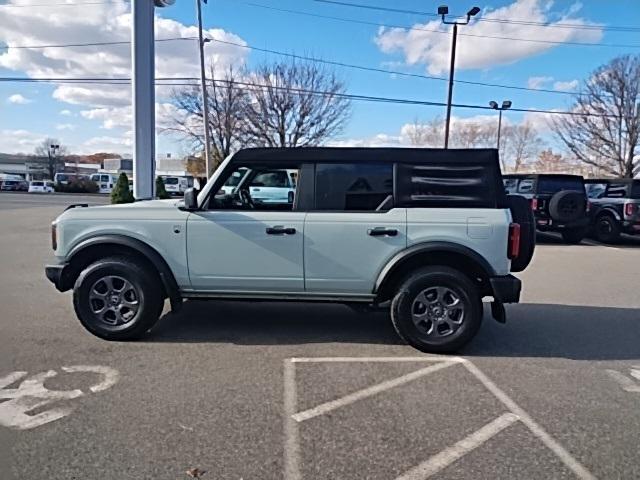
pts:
[41, 186]
[105, 181]
[559, 202]
[11, 185]
[429, 233]
[176, 185]
[616, 207]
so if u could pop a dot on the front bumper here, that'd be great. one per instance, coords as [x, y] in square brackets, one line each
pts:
[506, 289]
[56, 275]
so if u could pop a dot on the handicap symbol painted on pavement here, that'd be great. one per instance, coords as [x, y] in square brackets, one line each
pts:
[31, 394]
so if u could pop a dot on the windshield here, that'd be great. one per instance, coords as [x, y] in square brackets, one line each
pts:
[556, 184]
[37, 184]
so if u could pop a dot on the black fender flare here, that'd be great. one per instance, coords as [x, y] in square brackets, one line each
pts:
[427, 247]
[150, 254]
[609, 211]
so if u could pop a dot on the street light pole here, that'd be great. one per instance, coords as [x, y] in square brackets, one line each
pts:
[443, 10]
[205, 95]
[506, 105]
[450, 95]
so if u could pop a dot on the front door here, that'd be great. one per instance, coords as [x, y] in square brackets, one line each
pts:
[242, 244]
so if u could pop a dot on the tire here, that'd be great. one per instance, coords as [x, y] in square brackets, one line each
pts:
[606, 229]
[568, 206]
[425, 332]
[117, 299]
[523, 215]
[573, 235]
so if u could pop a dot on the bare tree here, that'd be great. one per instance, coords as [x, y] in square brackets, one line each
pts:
[294, 104]
[51, 159]
[227, 105]
[523, 144]
[606, 129]
[424, 134]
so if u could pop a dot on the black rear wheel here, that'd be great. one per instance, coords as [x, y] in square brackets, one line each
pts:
[437, 309]
[573, 235]
[607, 229]
[117, 299]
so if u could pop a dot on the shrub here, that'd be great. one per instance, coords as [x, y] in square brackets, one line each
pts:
[121, 192]
[78, 185]
[161, 192]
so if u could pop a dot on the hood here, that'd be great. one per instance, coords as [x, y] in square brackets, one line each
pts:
[124, 210]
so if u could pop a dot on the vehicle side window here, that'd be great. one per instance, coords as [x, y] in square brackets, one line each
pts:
[595, 190]
[525, 186]
[616, 190]
[354, 186]
[510, 185]
[255, 188]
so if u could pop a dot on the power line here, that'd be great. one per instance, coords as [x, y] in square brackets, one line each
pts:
[420, 29]
[94, 44]
[52, 4]
[187, 81]
[312, 59]
[577, 26]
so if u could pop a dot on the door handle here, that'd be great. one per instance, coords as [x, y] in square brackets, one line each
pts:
[278, 230]
[382, 232]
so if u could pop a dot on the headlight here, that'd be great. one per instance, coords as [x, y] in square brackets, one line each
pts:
[54, 236]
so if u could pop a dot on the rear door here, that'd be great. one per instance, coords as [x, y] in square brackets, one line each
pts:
[353, 228]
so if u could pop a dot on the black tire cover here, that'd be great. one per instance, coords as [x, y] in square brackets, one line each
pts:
[522, 214]
[567, 206]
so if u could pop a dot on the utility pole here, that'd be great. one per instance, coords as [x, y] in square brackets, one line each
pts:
[443, 10]
[205, 95]
[143, 96]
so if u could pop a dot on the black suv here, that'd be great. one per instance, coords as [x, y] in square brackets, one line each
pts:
[616, 207]
[559, 202]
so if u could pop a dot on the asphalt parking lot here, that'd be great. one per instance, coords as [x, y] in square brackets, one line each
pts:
[266, 391]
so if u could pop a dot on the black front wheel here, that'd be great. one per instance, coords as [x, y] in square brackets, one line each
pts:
[437, 309]
[117, 299]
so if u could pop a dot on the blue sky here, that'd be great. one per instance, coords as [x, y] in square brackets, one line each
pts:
[96, 119]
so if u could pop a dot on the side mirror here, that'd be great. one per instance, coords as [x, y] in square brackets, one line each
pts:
[190, 199]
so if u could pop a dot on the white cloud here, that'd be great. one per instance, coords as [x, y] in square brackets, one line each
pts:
[18, 99]
[569, 86]
[108, 22]
[430, 43]
[65, 126]
[20, 141]
[538, 82]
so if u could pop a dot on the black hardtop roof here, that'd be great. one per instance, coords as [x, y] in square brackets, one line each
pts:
[481, 156]
[537, 175]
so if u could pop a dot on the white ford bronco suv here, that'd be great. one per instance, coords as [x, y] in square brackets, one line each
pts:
[429, 232]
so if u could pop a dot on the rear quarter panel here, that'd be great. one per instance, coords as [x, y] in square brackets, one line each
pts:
[484, 231]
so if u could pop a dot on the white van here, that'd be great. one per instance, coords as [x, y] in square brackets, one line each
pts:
[105, 181]
[175, 185]
[41, 186]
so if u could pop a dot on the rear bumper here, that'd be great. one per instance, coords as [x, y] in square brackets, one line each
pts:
[631, 227]
[506, 289]
[55, 274]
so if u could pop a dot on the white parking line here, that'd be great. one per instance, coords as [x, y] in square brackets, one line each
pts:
[369, 391]
[291, 444]
[450, 455]
[627, 384]
[566, 458]
[442, 358]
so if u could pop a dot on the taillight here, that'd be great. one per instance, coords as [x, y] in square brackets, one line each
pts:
[534, 204]
[514, 241]
[54, 236]
[588, 206]
[630, 209]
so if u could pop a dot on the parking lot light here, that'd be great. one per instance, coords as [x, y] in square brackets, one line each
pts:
[506, 105]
